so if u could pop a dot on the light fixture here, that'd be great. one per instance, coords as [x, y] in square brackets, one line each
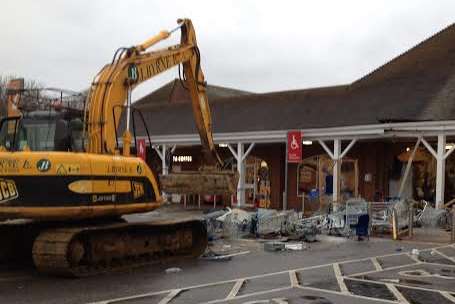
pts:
[408, 149]
[449, 146]
[223, 145]
[307, 142]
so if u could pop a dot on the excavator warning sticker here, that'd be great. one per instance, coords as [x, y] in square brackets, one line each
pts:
[8, 190]
[68, 169]
[26, 164]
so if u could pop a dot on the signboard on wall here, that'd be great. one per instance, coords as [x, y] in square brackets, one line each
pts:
[294, 146]
[141, 149]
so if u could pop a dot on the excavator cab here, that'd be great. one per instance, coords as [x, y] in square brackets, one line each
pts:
[41, 131]
[8, 133]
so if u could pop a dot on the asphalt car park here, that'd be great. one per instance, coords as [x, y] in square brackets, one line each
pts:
[333, 270]
[405, 277]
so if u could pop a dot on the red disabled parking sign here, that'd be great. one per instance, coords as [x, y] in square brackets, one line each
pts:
[294, 146]
[141, 149]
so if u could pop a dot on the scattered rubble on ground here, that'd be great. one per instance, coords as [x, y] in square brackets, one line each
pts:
[415, 252]
[173, 270]
[274, 246]
[214, 256]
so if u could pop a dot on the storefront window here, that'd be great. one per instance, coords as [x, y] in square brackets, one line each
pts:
[315, 180]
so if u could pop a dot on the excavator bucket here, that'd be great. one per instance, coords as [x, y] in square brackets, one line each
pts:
[200, 182]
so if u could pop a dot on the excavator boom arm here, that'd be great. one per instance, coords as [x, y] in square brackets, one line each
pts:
[111, 87]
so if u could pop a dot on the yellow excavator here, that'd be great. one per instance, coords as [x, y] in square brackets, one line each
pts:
[62, 196]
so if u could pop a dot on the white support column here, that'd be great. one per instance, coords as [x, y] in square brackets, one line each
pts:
[440, 171]
[337, 156]
[241, 170]
[165, 171]
[162, 155]
[163, 160]
[329, 152]
[240, 156]
[336, 171]
[430, 148]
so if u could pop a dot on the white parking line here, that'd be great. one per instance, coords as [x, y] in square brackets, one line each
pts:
[347, 295]
[293, 278]
[384, 269]
[238, 283]
[340, 280]
[413, 257]
[401, 299]
[129, 298]
[258, 293]
[399, 285]
[376, 264]
[235, 290]
[448, 296]
[444, 255]
[170, 296]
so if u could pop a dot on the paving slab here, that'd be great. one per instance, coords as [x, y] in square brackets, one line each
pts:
[357, 267]
[209, 293]
[265, 283]
[368, 289]
[322, 277]
[416, 296]
[432, 277]
[395, 260]
[449, 251]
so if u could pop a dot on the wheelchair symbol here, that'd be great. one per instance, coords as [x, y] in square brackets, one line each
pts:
[294, 144]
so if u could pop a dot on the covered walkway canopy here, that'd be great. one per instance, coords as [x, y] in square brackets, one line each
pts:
[411, 96]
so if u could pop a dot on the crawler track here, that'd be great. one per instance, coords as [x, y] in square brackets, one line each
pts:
[86, 250]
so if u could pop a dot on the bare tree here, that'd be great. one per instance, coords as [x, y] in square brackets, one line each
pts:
[30, 85]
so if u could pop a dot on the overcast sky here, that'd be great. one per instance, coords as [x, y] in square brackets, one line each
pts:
[252, 45]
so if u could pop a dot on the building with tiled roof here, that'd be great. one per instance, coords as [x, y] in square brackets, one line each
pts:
[379, 116]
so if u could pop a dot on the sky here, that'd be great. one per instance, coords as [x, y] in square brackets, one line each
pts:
[252, 45]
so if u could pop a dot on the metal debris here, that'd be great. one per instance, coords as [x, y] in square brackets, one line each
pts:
[294, 246]
[431, 217]
[415, 252]
[213, 256]
[274, 246]
[343, 221]
[173, 270]
[263, 223]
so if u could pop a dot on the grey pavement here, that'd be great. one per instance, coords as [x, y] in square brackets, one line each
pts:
[307, 276]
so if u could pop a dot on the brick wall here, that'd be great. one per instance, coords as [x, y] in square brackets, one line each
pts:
[374, 158]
